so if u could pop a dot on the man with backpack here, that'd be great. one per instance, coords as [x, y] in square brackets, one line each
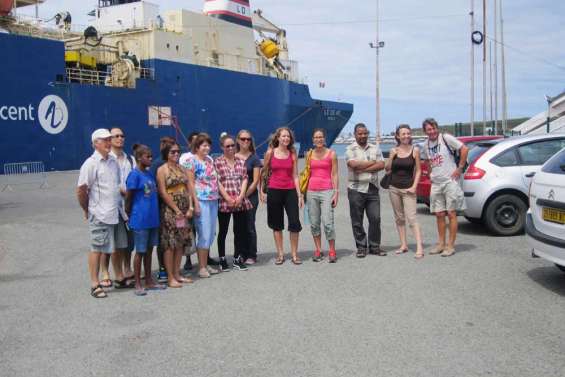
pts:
[446, 157]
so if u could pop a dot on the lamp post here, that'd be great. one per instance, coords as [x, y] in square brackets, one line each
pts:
[377, 46]
[548, 123]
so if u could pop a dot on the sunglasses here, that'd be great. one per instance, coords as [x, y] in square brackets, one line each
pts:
[118, 136]
[245, 138]
[229, 146]
[176, 151]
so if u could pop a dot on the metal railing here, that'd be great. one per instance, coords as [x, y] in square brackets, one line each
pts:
[93, 77]
[19, 173]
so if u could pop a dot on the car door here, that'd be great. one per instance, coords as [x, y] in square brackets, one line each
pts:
[533, 155]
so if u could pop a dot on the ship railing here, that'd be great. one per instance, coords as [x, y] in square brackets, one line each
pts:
[94, 77]
[19, 173]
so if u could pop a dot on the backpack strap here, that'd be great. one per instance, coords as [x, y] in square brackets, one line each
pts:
[451, 151]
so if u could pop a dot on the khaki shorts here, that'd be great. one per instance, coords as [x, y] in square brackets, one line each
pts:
[101, 236]
[446, 196]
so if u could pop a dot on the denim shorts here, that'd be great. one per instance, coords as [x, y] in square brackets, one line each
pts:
[205, 224]
[145, 239]
[101, 236]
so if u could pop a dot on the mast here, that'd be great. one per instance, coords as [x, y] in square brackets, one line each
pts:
[484, 66]
[472, 109]
[495, 63]
[503, 78]
[490, 66]
[378, 90]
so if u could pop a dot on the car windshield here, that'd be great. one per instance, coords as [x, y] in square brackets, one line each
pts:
[555, 165]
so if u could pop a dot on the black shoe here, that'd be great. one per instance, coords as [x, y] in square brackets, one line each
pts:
[188, 264]
[238, 264]
[224, 266]
[213, 262]
[377, 251]
[361, 253]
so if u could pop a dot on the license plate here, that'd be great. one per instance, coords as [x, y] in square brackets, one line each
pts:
[553, 215]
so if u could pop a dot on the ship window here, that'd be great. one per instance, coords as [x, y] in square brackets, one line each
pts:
[168, 45]
[177, 47]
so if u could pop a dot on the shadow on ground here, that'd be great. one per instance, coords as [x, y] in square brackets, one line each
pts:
[549, 277]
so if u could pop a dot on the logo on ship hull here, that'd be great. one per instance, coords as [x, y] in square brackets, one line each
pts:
[53, 114]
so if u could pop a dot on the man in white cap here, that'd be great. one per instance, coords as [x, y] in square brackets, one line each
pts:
[98, 194]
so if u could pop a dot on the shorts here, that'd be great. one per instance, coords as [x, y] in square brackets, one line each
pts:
[205, 224]
[279, 201]
[145, 239]
[101, 236]
[446, 196]
[123, 237]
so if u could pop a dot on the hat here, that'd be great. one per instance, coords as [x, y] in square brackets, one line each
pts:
[101, 133]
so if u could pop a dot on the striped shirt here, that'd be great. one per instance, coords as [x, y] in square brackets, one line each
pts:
[360, 181]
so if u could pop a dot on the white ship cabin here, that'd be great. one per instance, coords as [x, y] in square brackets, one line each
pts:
[538, 123]
[139, 28]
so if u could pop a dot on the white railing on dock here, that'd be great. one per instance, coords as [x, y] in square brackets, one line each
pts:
[19, 173]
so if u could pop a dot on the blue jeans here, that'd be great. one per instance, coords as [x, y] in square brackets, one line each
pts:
[205, 224]
[320, 210]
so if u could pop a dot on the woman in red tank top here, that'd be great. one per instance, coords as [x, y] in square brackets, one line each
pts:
[283, 192]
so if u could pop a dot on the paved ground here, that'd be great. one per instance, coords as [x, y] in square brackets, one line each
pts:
[491, 310]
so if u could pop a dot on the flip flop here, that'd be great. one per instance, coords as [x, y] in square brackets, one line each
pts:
[401, 251]
[419, 255]
[279, 260]
[140, 292]
[123, 284]
[296, 260]
[156, 287]
[106, 283]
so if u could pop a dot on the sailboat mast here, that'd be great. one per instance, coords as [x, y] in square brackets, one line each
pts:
[503, 78]
[495, 63]
[484, 66]
[472, 110]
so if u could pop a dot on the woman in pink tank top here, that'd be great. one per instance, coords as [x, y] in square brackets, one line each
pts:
[322, 195]
[283, 192]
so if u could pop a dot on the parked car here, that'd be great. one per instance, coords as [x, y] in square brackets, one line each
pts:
[424, 186]
[498, 177]
[545, 220]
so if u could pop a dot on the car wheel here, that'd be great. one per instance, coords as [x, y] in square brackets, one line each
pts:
[562, 268]
[506, 215]
[474, 220]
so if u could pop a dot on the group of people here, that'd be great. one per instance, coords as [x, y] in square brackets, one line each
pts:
[176, 202]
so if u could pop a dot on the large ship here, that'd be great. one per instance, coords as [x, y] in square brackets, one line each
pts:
[151, 74]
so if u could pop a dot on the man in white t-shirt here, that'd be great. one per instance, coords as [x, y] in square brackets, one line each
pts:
[446, 197]
[98, 192]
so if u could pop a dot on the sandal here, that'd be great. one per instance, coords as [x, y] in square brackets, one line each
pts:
[279, 260]
[317, 256]
[98, 292]
[156, 287]
[401, 251]
[140, 292]
[186, 280]
[437, 250]
[106, 283]
[296, 260]
[419, 255]
[123, 284]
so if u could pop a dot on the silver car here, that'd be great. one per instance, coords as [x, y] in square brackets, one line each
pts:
[498, 177]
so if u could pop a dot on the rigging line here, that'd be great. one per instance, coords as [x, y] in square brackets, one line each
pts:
[526, 53]
[372, 20]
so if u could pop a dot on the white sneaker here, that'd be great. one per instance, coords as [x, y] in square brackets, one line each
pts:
[212, 270]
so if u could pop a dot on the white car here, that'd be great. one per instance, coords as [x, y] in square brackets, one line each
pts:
[545, 221]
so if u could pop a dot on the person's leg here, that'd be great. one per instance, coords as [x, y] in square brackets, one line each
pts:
[373, 210]
[240, 235]
[117, 260]
[169, 257]
[314, 216]
[137, 270]
[452, 229]
[105, 270]
[294, 227]
[275, 220]
[356, 209]
[224, 223]
[327, 212]
[439, 209]
[252, 231]
[396, 196]
[153, 240]
[177, 259]
[127, 271]
[94, 267]
[440, 218]
[410, 212]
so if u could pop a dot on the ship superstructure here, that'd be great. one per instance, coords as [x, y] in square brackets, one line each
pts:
[152, 74]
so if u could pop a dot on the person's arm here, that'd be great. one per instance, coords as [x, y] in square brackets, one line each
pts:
[375, 166]
[128, 200]
[266, 165]
[163, 191]
[296, 180]
[335, 179]
[254, 181]
[242, 192]
[192, 188]
[463, 153]
[190, 212]
[225, 195]
[82, 196]
[388, 163]
[417, 171]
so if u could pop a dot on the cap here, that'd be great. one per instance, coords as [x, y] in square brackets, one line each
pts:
[101, 133]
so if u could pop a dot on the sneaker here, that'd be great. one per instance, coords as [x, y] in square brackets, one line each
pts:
[361, 253]
[317, 256]
[212, 270]
[224, 266]
[238, 264]
[332, 256]
[250, 261]
[162, 277]
[213, 262]
[377, 251]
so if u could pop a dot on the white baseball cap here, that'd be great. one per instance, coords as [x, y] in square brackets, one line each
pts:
[101, 133]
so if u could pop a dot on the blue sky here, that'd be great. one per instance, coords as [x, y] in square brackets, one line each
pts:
[425, 65]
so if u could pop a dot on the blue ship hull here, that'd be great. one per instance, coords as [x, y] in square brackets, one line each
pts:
[35, 127]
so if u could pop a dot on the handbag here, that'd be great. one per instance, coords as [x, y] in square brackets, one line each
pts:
[385, 181]
[305, 174]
